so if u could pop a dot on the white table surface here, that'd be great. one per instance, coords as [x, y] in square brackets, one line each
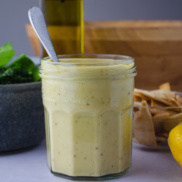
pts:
[30, 165]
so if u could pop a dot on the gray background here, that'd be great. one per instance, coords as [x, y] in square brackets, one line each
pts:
[13, 15]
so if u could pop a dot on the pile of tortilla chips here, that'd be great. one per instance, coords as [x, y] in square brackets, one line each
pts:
[156, 112]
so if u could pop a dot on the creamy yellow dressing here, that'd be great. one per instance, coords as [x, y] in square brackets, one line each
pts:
[88, 118]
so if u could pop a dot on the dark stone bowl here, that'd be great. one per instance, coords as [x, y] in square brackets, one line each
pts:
[21, 116]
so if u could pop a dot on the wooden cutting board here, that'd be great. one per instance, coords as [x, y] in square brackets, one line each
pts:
[155, 45]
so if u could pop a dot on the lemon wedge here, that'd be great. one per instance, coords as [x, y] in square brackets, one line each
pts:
[175, 143]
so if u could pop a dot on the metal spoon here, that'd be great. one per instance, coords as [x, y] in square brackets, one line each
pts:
[38, 23]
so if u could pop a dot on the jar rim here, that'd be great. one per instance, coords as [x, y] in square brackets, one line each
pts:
[89, 65]
[106, 59]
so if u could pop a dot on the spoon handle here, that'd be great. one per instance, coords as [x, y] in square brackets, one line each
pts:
[38, 23]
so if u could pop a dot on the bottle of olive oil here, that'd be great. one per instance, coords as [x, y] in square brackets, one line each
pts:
[64, 20]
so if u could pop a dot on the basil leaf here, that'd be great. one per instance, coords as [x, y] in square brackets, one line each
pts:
[22, 62]
[15, 75]
[6, 54]
[35, 74]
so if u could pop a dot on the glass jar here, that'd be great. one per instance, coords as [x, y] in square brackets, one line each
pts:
[64, 20]
[88, 101]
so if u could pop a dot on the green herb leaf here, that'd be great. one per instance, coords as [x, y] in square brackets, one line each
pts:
[35, 74]
[21, 70]
[15, 75]
[6, 54]
[22, 62]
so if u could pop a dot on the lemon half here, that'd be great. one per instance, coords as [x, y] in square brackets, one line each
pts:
[175, 143]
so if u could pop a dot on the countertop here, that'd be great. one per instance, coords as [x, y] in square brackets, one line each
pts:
[30, 165]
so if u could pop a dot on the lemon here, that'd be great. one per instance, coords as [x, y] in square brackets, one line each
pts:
[175, 143]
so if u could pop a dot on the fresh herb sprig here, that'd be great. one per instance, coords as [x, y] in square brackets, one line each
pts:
[21, 70]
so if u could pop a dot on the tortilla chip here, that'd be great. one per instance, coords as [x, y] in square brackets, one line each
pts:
[155, 103]
[179, 100]
[156, 111]
[172, 121]
[143, 126]
[175, 118]
[158, 107]
[137, 104]
[142, 94]
[160, 117]
[137, 98]
[159, 120]
[166, 97]
[165, 86]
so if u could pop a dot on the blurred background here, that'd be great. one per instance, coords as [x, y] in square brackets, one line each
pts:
[13, 16]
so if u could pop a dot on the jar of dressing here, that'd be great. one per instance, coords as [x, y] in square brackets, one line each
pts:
[88, 102]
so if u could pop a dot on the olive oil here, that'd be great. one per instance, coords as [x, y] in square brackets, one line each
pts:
[64, 20]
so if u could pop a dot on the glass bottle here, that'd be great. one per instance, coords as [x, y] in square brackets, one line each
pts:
[64, 20]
